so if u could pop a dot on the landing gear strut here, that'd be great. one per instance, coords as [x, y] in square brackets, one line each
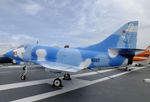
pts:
[23, 76]
[23, 67]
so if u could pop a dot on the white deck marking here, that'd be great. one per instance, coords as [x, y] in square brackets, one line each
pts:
[147, 80]
[9, 67]
[42, 81]
[16, 66]
[73, 85]
[92, 73]
[23, 84]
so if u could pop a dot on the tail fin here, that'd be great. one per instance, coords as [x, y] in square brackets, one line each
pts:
[125, 37]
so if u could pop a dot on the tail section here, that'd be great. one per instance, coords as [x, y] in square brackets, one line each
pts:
[148, 49]
[145, 53]
[125, 37]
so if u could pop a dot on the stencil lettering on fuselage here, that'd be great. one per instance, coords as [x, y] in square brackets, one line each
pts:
[104, 60]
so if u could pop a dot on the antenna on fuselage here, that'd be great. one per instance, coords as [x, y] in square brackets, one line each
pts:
[37, 42]
[66, 46]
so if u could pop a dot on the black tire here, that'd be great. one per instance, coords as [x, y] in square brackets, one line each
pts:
[129, 69]
[23, 77]
[140, 65]
[24, 68]
[126, 69]
[57, 82]
[67, 77]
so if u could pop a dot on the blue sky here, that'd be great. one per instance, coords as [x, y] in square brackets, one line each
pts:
[73, 22]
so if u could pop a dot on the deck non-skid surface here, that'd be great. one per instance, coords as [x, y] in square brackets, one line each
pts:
[110, 85]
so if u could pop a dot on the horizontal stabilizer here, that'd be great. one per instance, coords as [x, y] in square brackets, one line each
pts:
[127, 51]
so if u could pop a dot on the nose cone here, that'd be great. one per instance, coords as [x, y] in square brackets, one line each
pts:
[9, 54]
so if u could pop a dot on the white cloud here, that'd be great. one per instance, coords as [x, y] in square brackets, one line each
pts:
[101, 18]
[16, 39]
[57, 3]
[32, 8]
[83, 22]
[19, 37]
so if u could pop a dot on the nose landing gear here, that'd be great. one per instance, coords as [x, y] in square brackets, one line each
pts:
[23, 76]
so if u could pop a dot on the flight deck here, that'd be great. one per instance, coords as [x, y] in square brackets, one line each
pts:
[111, 85]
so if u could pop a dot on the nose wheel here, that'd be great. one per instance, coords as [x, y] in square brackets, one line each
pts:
[57, 82]
[23, 77]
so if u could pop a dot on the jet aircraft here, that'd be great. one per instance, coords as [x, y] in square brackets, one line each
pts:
[142, 57]
[116, 50]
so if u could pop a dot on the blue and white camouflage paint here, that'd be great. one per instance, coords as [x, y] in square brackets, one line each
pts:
[108, 53]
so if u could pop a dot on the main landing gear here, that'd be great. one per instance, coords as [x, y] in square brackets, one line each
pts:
[58, 83]
[66, 76]
[128, 69]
